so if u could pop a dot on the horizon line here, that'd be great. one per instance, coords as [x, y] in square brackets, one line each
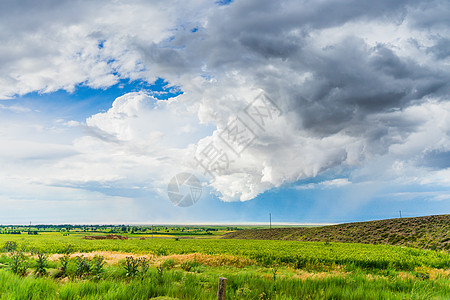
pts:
[182, 223]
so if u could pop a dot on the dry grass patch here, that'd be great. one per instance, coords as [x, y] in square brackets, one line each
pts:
[303, 275]
[405, 276]
[208, 260]
[434, 273]
[113, 258]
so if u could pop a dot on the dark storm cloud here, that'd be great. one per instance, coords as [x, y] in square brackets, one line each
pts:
[436, 159]
[271, 16]
[28, 15]
[350, 81]
[441, 49]
[430, 15]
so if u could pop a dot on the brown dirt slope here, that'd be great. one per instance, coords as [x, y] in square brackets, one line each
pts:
[430, 232]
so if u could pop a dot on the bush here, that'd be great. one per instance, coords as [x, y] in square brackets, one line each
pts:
[97, 268]
[10, 246]
[18, 264]
[64, 260]
[41, 264]
[83, 266]
[131, 266]
[143, 263]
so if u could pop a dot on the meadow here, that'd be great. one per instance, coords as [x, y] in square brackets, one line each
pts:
[428, 232]
[188, 268]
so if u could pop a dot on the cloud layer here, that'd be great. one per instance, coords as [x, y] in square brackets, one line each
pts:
[363, 87]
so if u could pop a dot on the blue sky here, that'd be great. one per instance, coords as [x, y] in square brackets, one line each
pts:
[85, 101]
[346, 118]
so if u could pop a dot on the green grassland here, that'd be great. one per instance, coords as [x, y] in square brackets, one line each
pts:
[429, 232]
[367, 256]
[256, 269]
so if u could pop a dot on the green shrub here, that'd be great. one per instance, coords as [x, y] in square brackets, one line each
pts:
[83, 266]
[10, 246]
[97, 268]
[131, 266]
[64, 260]
[144, 265]
[41, 264]
[18, 264]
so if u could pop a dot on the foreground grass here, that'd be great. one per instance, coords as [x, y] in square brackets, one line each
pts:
[185, 285]
[303, 270]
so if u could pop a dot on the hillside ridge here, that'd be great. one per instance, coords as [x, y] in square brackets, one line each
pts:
[428, 232]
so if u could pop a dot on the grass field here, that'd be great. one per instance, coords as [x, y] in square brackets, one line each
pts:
[429, 232]
[255, 269]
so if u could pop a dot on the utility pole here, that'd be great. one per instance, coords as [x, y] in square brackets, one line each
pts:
[400, 213]
[270, 220]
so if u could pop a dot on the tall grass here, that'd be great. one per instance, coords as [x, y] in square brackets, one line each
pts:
[184, 285]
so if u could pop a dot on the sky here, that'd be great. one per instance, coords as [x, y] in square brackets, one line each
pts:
[311, 111]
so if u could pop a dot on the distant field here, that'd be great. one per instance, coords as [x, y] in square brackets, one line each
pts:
[126, 230]
[430, 232]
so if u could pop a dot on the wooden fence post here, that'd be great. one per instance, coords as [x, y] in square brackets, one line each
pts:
[222, 293]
